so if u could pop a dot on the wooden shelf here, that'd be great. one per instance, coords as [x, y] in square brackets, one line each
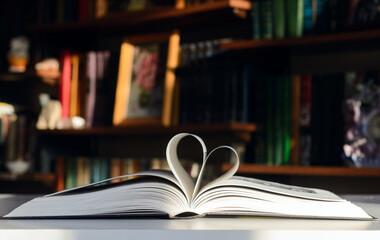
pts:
[28, 183]
[305, 171]
[156, 18]
[39, 177]
[17, 77]
[337, 38]
[238, 128]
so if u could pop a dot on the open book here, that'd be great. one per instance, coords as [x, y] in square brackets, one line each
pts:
[174, 194]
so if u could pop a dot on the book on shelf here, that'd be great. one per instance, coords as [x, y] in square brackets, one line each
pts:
[174, 194]
[87, 86]
[279, 18]
[65, 84]
[295, 10]
[266, 7]
[255, 16]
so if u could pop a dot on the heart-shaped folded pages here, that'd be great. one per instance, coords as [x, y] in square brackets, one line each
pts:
[190, 189]
[180, 173]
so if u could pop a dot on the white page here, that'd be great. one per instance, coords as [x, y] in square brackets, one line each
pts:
[278, 188]
[179, 172]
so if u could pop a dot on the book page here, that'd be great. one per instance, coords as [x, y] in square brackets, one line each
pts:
[277, 188]
[224, 176]
[179, 172]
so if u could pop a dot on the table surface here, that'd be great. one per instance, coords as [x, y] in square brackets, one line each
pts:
[198, 228]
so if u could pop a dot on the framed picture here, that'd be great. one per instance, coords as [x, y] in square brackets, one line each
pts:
[146, 79]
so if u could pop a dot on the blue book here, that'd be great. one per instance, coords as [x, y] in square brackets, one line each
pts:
[308, 21]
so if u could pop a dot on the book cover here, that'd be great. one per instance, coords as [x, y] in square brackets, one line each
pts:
[295, 119]
[74, 91]
[60, 9]
[295, 11]
[70, 172]
[101, 8]
[305, 120]
[60, 170]
[269, 123]
[278, 120]
[308, 16]
[256, 20]
[287, 118]
[279, 18]
[83, 7]
[83, 171]
[102, 98]
[266, 20]
[96, 171]
[65, 84]
[116, 169]
[91, 91]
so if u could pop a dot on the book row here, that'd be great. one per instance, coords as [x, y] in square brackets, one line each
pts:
[318, 119]
[86, 89]
[15, 142]
[78, 171]
[64, 11]
[295, 18]
[213, 87]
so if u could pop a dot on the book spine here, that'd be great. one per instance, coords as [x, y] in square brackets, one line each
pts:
[91, 94]
[278, 120]
[74, 92]
[295, 119]
[60, 7]
[60, 170]
[65, 86]
[101, 8]
[279, 15]
[269, 127]
[295, 17]
[287, 119]
[267, 19]
[115, 169]
[256, 19]
[83, 14]
[305, 120]
[308, 21]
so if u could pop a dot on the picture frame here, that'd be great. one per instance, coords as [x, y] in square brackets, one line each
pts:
[146, 79]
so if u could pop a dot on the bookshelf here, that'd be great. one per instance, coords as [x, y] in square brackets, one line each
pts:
[360, 36]
[243, 128]
[28, 183]
[195, 20]
[306, 170]
[157, 19]
[17, 77]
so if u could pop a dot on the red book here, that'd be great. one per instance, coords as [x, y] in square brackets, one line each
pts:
[65, 84]
[83, 10]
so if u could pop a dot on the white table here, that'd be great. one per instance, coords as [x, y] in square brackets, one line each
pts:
[194, 229]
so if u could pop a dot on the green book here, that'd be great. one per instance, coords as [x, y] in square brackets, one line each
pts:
[287, 119]
[279, 19]
[278, 120]
[269, 121]
[267, 18]
[295, 10]
[255, 15]
[70, 172]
